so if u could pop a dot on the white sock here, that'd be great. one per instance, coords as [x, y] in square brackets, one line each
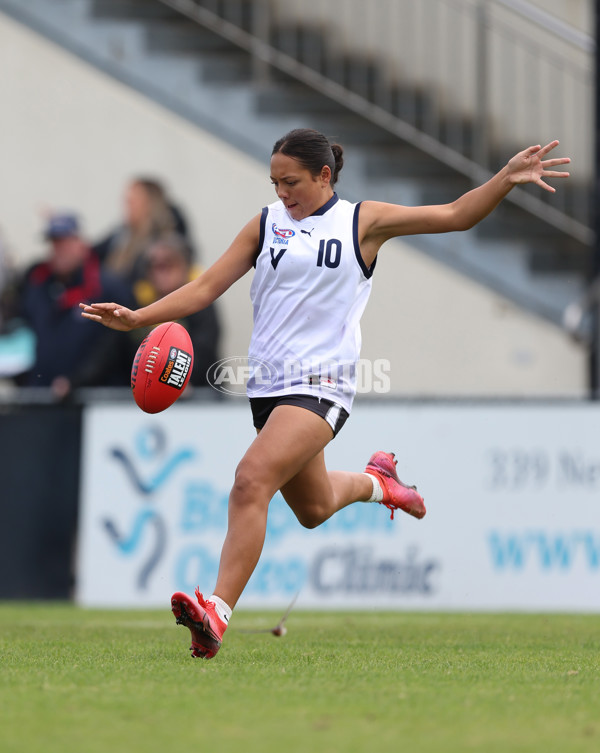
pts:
[221, 608]
[377, 494]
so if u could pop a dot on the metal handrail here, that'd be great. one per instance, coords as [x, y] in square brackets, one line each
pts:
[266, 54]
[550, 23]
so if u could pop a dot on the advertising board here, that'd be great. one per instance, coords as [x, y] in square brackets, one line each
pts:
[512, 494]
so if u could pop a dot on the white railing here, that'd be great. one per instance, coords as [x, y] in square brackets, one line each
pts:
[466, 80]
[505, 65]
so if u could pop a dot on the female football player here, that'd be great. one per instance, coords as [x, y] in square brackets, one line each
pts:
[314, 255]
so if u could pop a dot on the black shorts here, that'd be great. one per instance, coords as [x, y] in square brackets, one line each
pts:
[333, 413]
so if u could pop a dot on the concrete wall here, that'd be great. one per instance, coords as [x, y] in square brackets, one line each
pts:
[70, 137]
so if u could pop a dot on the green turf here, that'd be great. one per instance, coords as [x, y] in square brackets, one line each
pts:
[100, 681]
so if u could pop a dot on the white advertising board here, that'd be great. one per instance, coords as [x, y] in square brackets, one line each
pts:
[512, 493]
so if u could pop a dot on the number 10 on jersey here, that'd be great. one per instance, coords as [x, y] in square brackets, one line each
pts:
[330, 253]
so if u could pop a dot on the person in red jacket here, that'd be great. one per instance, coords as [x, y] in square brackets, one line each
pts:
[47, 301]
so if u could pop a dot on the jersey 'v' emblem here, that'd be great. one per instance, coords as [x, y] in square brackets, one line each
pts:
[276, 259]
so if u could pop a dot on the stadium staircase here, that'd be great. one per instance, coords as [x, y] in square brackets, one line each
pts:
[218, 64]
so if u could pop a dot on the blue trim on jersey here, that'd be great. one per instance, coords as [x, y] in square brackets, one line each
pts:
[261, 237]
[327, 206]
[367, 271]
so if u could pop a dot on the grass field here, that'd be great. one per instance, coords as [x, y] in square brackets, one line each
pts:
[116, 681]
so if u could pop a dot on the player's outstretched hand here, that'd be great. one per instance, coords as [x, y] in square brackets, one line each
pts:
[110, 315]
[529, 166]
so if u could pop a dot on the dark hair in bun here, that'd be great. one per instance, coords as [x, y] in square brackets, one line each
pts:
[312, 150]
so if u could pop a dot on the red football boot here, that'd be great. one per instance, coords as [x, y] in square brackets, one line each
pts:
[201, 619]
[396, 494]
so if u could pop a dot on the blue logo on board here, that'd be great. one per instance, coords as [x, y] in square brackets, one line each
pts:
[150, 447]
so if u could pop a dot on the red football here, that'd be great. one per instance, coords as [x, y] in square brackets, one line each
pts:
[162, 367]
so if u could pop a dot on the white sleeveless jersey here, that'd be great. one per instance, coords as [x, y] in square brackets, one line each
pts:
[309, 291]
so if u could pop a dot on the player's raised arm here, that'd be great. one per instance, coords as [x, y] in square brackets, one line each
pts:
[380, 222]
[194, 296]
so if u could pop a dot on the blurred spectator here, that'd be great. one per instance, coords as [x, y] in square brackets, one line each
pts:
[5, 267]
[6, 279]
[69, 353]
[17, 344]
[168, 267]
[580, 317]
[148, 214]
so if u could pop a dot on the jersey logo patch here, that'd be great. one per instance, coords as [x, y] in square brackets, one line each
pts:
[282, 232]
[275, 259]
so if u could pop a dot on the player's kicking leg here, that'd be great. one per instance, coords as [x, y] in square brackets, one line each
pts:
[287, 455]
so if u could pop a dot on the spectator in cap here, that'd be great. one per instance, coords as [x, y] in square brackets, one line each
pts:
[62, 226]
[48, 297]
